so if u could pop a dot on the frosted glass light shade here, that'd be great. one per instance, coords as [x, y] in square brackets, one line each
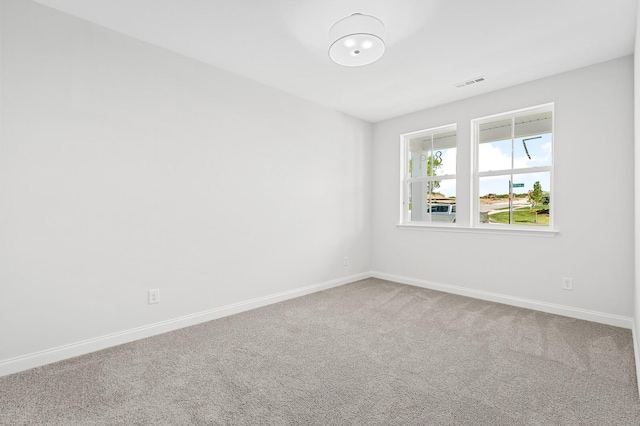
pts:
[356, 40]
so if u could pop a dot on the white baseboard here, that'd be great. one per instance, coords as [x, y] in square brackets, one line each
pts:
[567, 311]
[37, 359]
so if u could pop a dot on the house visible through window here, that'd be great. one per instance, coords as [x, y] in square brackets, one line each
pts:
[429, 176]
[514, 168]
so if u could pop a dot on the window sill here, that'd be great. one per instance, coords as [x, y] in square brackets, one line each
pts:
[481, 230]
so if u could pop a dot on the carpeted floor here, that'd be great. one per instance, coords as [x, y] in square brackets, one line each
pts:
[367, 353]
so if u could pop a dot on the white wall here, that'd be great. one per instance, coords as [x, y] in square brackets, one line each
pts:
[636, 70]
[593, 198]
[125, 167]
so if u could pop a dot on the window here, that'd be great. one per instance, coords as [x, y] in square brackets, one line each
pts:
[513, 173]
[429, 176]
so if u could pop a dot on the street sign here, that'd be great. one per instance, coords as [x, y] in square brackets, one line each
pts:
[518, 185]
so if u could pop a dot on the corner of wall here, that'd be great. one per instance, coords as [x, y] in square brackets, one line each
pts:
[636, 311]
[636, 351]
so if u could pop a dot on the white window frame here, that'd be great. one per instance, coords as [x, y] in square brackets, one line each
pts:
[406, 180]
[476, 174]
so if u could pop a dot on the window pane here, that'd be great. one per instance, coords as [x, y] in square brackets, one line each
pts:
[417, 161]
[505, 147]
[494, 156]
[494, 199]
[432, 201]
[444, 161]
[536, 190]
[498, 130]
[431, 166]
[533, 124]
[532, 152]
[527, 205]
[418, 201]
[442, 205]
[443, 154]
[531, 146]
[433, 155]
[494, 148]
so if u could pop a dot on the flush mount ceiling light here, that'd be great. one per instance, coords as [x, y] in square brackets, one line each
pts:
[356, 40]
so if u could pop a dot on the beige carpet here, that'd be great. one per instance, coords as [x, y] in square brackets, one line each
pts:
[368, 353]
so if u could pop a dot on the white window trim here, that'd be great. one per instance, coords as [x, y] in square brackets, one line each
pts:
[551, 230]
[405, 180]
[473, 226]
[522, 231]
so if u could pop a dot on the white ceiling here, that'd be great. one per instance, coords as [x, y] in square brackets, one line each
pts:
[431, 44]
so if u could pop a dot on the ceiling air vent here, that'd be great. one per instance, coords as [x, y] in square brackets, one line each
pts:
[469, 82]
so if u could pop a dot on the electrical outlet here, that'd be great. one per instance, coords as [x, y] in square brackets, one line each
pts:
[154, 296]
[567, 283]
[345, 262]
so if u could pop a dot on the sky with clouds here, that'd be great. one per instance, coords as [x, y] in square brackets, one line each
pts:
[494, 156]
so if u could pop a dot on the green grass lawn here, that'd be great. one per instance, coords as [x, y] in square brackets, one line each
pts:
[522, 217]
